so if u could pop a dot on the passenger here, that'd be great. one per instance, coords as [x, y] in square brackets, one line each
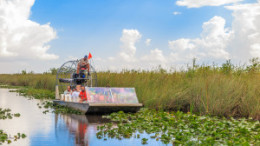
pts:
[83, 63]
[75, 94]
[68, 91]
[83, 94]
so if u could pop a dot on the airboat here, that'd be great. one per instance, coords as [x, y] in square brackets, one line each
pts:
[100, 100]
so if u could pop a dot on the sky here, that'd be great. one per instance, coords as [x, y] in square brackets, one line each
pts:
[36, 35]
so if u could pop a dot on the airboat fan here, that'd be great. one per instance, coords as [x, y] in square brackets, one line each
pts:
[67, 76]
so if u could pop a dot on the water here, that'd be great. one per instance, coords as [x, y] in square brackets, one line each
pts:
[54, 129]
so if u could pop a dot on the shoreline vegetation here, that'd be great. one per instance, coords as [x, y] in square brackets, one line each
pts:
[228, 90]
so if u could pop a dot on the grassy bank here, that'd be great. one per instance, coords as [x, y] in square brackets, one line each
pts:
[223, 91]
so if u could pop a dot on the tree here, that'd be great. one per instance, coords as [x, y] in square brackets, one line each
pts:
[53, 71]
[24, 72]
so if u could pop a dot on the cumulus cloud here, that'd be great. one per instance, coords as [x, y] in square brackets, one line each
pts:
[239, 43]
[127, 57]
[201, 3]
[176, 13]
[154, 58]
[217, 43]
[21, 37]
[128, 39]
[246, 27]
[148, 42]
[211, 45]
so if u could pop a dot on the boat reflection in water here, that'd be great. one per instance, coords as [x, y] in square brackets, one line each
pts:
[81, 127]
[55, 129]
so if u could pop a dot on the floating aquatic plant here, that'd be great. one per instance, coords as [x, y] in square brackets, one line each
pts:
[181, 128]
[5, 138]
[6, 114]
[50, 107]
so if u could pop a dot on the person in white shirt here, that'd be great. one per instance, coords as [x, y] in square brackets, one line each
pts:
[75, 94]
[68, 91]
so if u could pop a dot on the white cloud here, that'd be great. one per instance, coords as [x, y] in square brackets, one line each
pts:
[246, 27]
[155, 58]
[255, 50]
[216, 43]
[201, 3]
[211, 45]
[127, 57]
[239, 43]
[129, 39]
[176, 13]
[148, 42]
[181, 44]
[21, 38]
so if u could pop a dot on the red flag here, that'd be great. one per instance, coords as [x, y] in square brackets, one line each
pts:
[89, 56]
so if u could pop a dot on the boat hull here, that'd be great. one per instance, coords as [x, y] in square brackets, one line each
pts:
[100, 108]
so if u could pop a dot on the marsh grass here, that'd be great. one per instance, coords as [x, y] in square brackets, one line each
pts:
[222, 91]
[227, 90]
[36, 93]
[37, 81]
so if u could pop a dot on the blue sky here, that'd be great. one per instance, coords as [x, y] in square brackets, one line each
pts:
[97, 25]
[116, 30]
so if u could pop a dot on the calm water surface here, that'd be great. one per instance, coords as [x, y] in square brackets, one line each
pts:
[55, 129]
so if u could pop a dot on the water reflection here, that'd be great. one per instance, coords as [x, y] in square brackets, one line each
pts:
[55, 129]
[78, 126]
[32, 121]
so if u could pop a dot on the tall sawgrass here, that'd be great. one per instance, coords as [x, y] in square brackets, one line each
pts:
[227, 90]
[38, 81]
